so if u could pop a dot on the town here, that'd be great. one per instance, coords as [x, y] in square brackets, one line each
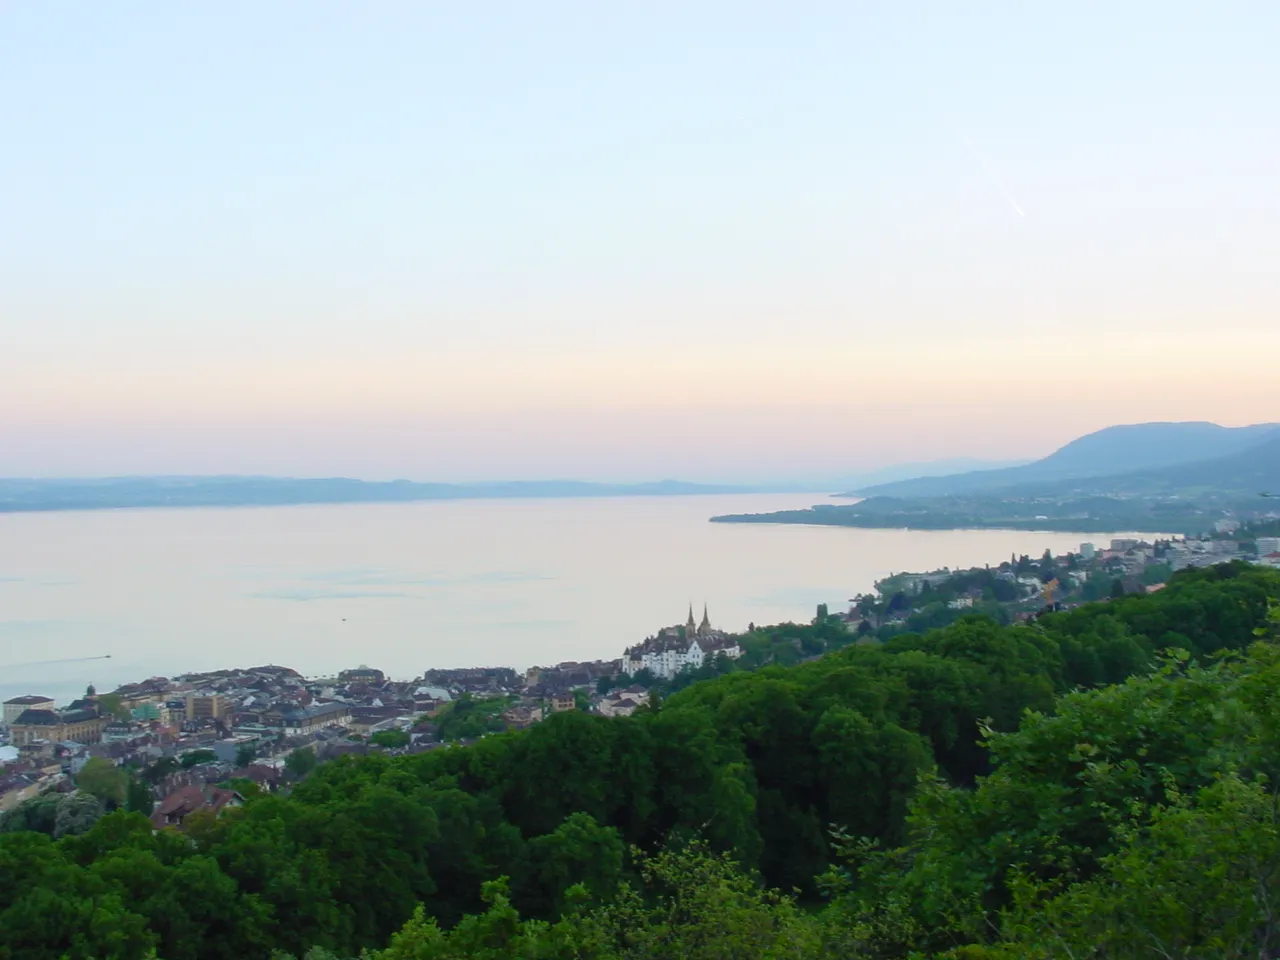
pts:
[199, 743]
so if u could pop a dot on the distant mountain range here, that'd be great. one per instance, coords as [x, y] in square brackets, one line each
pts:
[1155, 477]
[914, 470]
[123, 492]
[1142, 456]
[1146, 460]
[1252, 470]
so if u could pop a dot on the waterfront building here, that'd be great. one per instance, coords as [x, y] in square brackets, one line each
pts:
[678, 648]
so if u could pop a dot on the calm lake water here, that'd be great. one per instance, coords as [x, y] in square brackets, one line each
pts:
[406, 587]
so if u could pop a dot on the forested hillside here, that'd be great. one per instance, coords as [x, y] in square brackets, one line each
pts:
[1054, 789]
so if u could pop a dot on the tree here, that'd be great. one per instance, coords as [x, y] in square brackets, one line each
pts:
[245, 754]
[160, 769]
[110, 705]
[699, 905]
[391, 739]
[193, 757]
[1117, 589]
[104, 780]
[301, 761]
[1063, 810]
[578, 852]
[76, 813]
[139, 798]
[54, 814]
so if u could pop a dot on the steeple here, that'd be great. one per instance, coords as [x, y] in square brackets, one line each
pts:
[691, 626]
[705, 626]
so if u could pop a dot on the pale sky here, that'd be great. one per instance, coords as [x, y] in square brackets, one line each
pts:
[624, 240]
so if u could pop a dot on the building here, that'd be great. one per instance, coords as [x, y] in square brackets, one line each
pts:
[302, 721]
[17, 788]
[174, 809]
[523, 716]
[15, 707]
[1226, 526]
[563, 702]
[115, 731]
[623, 703]
[363, 674]
[83, 725]
[211, 706]
[679, 648]
[1265, 545]
[1123, 545]
[1088, 551]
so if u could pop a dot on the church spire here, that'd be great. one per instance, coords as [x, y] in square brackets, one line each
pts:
[692, 624]
[705, 626]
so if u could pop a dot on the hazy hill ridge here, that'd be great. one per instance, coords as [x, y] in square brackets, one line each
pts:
[119, 492]
[1112, 451]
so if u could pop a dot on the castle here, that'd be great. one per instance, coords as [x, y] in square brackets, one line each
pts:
[677, 648]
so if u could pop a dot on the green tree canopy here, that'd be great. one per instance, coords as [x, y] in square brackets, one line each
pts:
[104, 780]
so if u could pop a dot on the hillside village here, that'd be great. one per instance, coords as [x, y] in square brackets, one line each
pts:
[1022, 588]
[198, 741]
[205, 731]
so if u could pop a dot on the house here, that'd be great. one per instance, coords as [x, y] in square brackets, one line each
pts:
[563, 702]
[365, 720]
[524, 716]
[267, 777]
[18, 705]
[623, 703]
[174, 809]
[19, 787]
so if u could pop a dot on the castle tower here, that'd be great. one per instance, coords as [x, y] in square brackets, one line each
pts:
[705, 627]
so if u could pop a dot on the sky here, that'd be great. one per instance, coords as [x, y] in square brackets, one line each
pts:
[625, 240]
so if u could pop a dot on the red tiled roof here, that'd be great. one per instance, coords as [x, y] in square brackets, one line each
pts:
[180, 804]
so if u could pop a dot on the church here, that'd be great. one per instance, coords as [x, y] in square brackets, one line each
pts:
[678, 648]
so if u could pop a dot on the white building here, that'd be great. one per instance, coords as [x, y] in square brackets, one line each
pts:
[1268, 545]
[1088, 550]
[673, 649]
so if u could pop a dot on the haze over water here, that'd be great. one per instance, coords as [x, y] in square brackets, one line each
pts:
[407, 587]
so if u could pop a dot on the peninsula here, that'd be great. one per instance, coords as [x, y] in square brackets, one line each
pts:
[1169, 477]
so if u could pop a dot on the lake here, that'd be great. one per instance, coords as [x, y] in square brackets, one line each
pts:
[407, 587]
